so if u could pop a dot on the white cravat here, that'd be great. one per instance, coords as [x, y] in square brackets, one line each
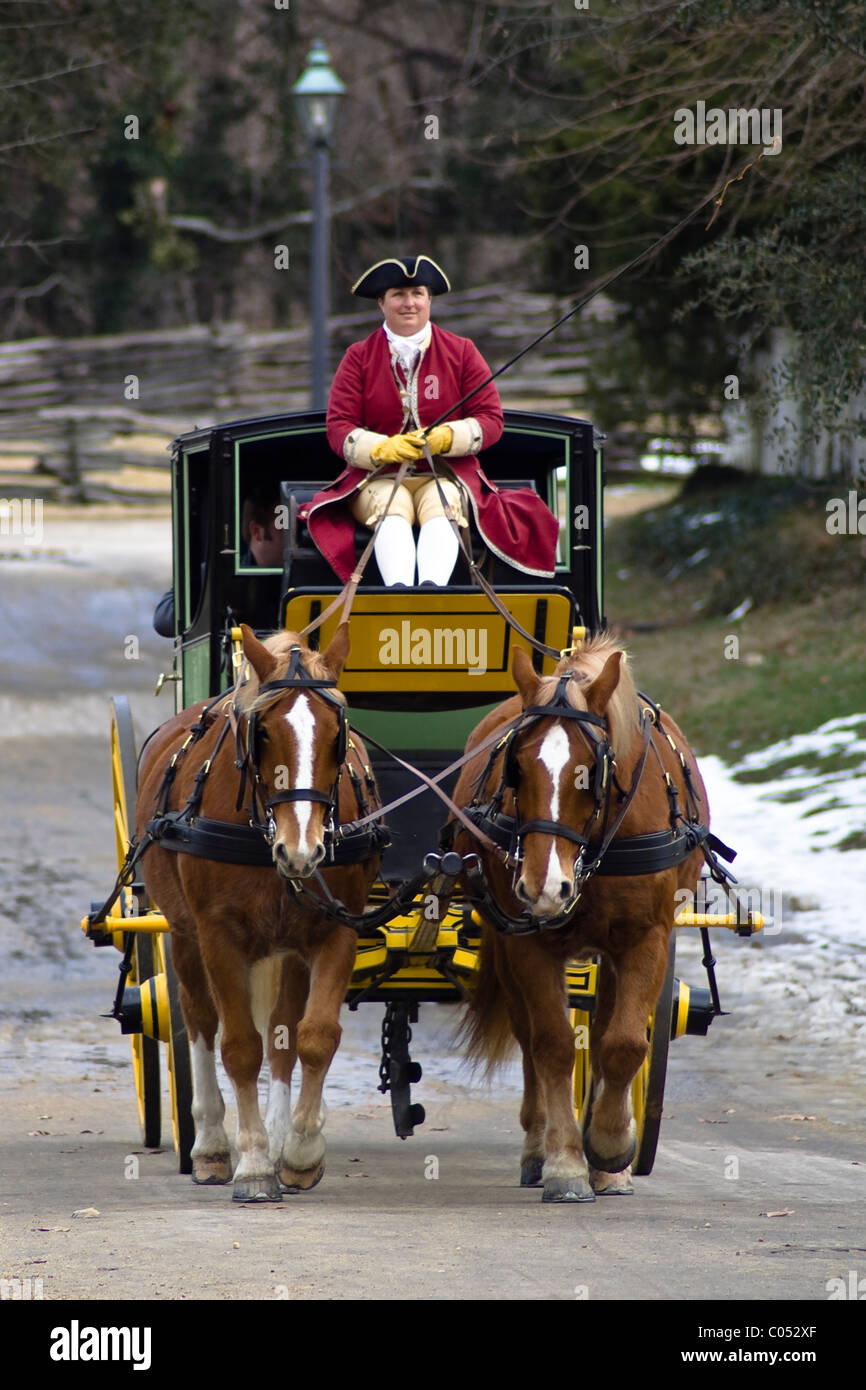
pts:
[408, 347]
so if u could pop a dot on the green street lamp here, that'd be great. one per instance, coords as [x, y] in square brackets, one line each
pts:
[317, 94]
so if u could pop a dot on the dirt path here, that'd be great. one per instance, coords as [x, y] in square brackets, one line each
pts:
[758, 1120]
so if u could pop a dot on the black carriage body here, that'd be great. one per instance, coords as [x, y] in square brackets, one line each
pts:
[423, 714]
[214, 469]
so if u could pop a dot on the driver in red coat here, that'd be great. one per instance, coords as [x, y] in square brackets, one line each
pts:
[386, 390]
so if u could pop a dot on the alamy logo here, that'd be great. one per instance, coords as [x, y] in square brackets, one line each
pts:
[737, 126]
[458, 647]
[854, 1288]
[77, 1343]
[21, 516]
[21, 1289]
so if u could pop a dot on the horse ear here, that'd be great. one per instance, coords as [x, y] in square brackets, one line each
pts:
[334, 655]
[598, 694]
[263, 662]
[525, 676]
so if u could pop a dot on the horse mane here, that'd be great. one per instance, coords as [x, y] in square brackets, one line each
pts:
[280, 645]
[623, 711]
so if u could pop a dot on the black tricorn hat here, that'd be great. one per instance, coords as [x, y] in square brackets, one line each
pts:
[397, 272]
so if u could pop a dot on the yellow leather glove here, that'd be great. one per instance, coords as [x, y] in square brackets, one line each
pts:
[439, 439]
[396, 449]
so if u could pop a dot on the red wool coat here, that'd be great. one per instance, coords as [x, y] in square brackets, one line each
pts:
[515, 523]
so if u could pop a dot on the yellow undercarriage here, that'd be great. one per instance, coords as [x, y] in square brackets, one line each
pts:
[415, 957]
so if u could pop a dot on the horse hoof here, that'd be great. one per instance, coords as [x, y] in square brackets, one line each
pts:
[612, 1184]
[567, 1190]
[295, 1180]
[605, 1164]
[530, 1172]
[212, 1170]
[265, 1189]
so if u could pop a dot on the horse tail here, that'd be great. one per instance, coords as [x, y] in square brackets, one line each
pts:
[486, 1028]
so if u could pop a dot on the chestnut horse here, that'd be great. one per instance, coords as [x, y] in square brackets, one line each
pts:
[252, 952]
[560, 788]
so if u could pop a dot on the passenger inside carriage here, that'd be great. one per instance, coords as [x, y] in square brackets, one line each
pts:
[261, 547]
[386, 391]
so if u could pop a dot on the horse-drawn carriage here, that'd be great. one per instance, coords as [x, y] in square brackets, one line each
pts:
[437, 892]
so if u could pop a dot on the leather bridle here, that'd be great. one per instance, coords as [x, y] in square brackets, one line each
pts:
[590, 856]
[247, 745]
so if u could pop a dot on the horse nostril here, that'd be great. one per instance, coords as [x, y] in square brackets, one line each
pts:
[565, 890]
[522, 891]
[317, 855]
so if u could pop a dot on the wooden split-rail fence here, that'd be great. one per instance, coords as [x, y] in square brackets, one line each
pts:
[69, 403]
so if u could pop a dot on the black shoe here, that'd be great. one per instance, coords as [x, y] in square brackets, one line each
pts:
[428, 584]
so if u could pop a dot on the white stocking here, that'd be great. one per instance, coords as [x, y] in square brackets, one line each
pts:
[395, 551]
[437, 551]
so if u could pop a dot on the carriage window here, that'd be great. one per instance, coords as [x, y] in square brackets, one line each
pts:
[560, 511]
[261, 518]
[192, 560]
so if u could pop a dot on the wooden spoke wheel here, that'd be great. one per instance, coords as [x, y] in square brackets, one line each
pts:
[648, 1087]
[145, 1050]
[179, 1067]
[581, 1022]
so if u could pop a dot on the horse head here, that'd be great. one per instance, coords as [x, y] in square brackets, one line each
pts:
[296, 736]
[560, 764]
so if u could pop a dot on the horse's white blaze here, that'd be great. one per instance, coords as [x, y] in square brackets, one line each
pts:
[302, 721]
[554, 754]
[208, 1107]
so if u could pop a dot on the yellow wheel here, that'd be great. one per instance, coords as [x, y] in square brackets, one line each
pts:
[648, 1087]
[582, 1076]
[179, 1068]
[145, 1051]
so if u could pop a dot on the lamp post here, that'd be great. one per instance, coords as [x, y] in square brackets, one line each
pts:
[317, 93]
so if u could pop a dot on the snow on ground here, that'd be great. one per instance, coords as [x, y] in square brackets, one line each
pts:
[803, 978]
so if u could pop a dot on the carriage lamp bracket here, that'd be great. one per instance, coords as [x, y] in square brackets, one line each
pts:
[164, 677]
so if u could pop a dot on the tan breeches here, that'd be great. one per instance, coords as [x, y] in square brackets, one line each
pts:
[416, 500]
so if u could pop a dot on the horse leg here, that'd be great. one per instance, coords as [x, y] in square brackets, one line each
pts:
[533, 1116]
[281, 1039]
[319, 1034]
[605, 1184]
[242, 1052]
[565, 1174]
[211, 1160]
[611, 1140]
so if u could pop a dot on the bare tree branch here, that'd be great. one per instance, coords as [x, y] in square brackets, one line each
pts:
[205, 227]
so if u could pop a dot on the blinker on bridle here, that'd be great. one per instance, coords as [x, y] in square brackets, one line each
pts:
[560, 708]
[588, 723]
[296, 678]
